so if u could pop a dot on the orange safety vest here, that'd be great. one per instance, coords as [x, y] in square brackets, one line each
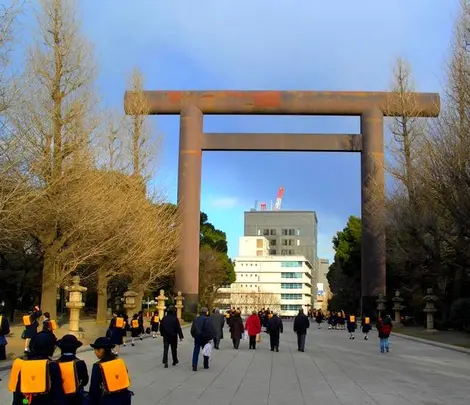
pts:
[68, 370]
[115, 375]
[135, 323]
[119, 322]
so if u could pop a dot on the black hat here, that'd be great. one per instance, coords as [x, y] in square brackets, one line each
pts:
[43, 344]
[69, 342]
[102, 343]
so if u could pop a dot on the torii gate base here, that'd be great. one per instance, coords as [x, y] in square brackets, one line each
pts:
[371, 107]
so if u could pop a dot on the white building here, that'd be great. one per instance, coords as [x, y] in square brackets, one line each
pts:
[282, 283]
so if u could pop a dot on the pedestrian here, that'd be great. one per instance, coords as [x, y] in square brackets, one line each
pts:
[301, 324]
[384, 327]
[48, 324]
[253, 328]
[31, 325]
[319, 318]
[170, 329]
[203, 333]
[366, 326]
[36, 379]
[140, 317]
[110, 380]
[4, 331]
[73, 370]
[154, 324]
[135, 328]
[236, 329]
[117, 331]
[275, 328]
[352, 325]
[218, 322]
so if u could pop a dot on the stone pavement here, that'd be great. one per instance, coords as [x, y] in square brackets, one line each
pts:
[333, 370]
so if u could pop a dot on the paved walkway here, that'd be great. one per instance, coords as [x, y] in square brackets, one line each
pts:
[333, 370]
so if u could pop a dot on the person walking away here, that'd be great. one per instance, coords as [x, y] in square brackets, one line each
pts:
[170, 329]
[366, 326]
[4, 331]
[73, 370]
[48, 324]
[140, 317]
[218, 322]
[253, 328]
[154, 324]
[384, 327]
[31, 325]
[275, 328]
[351, 325]
[319, 318]
[236, 329]
[301, 324]
[135, 328]
[36, 379]
[117, 331]
[202, 333]
[110, 380]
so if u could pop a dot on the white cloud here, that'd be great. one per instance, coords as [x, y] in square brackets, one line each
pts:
[223, 202]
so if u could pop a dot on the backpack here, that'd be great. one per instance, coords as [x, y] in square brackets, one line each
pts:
[385, 329]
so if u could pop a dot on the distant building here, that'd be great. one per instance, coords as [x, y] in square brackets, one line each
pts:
[323, 287]
[290, 233]
[282, 283]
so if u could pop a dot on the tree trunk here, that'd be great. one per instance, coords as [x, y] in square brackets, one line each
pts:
[102, 302]
[49, 287]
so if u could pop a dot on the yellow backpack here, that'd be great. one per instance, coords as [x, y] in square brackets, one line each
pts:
[115, 375]
[68, 370]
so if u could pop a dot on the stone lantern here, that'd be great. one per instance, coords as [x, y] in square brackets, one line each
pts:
[381, 304]
[129, 302]
[161, 304]
[179, 305]
[430, 308]
[398, 307]
[75, 304]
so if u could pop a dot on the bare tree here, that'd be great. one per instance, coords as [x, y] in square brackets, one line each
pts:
[250, 300]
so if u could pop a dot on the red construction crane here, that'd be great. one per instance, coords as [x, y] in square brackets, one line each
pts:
[280, 194]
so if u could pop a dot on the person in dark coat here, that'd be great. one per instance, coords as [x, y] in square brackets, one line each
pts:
[275, 328]
[46, 323]
[218, 322]
[366, 326]
[68, 346]
[236, 329]
[351, 325]
[319, 318]
[202, 332]
[155, 323]
[135, 328]
[170, 329]
[384, 327]
[32, 329]
[117, 331]
[42, 347]
[4, 331]
[98, 395]
[140, 317]
[301, 324]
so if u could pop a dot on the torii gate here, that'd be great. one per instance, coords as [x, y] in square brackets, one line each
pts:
[370, 106]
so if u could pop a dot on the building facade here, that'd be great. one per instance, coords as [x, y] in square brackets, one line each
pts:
[323, 287]
[281, 283]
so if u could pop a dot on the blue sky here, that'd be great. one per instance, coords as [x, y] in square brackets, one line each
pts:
[278, 45]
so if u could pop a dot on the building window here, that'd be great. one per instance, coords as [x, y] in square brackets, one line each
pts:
[272, 252]
[284, 242]
[291, 264]
[283, 252]
[291, 275]
[298, 242]
[259, 243]
[291, 252]
[291, 296]
[291, 307]
[265, 232]
[259, 253]
[273, 242]
[285, 232]
[290, 242]
[291, 286]
[291, 232]
[259, 232]
[273, 232]
[298, 232]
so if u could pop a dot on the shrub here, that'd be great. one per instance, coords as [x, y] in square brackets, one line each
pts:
[188, 316]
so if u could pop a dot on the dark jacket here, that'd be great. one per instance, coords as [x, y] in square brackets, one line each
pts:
[202, 330]
[4, 329]
[32, 330]
[96, 395]
[301, 324]
[55, 396]
[236, 326]
[82, 376]
[170, 327]
[218, 322]
[275, 326]
[384, 328]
